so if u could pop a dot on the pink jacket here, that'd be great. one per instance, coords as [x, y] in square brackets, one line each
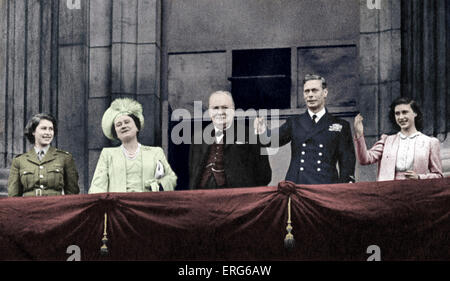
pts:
[427, 162]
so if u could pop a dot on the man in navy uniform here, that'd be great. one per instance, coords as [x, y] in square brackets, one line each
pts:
[318, 139]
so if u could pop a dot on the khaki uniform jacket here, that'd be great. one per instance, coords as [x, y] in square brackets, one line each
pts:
[110, 173]
[55, 173]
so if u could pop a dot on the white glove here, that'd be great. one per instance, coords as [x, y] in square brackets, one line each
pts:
[259, 124]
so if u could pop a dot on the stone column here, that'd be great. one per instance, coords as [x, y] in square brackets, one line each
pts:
[426, 65]
[99, 78]
[124, 61]
[380, 65]
[135, 58]
[69, 100]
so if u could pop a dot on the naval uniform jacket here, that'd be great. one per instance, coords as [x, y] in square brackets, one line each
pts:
[317, 148]
[243, 163]
[56, 172]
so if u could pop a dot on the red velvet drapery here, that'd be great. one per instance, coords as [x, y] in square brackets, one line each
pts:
[407, 220]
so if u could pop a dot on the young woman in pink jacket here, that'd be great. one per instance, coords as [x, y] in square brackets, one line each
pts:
[409, 154]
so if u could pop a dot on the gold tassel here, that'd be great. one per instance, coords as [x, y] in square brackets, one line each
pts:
[289, 242]
[104, 248]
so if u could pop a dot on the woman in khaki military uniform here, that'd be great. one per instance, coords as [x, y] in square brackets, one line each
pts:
[130, 167]
[44, 170]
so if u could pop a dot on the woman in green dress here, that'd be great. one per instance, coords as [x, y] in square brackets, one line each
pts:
[130, 167]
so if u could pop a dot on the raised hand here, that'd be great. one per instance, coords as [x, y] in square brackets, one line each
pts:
[259, 124]
[358, 125]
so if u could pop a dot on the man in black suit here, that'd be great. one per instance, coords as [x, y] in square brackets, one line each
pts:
[318, 139]
[228, 160]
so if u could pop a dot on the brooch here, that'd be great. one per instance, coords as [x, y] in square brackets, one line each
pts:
[335, 127]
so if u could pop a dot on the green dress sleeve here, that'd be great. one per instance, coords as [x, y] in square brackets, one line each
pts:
[100, 180]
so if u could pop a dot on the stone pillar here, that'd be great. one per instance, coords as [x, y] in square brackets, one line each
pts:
[99, 78]
[70, 99]
[426, 65]
[4, 10]
[380, 65]
[136, 59]
[124, 61]
[425, 75]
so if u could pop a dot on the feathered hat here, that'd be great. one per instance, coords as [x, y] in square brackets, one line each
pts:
[122, 106]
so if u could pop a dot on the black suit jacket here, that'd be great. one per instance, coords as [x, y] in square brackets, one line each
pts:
[244, 164]
[317, 148]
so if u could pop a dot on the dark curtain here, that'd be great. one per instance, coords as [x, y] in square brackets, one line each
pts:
[426, 59]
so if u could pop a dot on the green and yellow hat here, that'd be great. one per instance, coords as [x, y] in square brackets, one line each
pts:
[121, 106]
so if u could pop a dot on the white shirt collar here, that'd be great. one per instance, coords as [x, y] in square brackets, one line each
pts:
[318, 114]
[220, 137]
[402, 136]
[45, 149]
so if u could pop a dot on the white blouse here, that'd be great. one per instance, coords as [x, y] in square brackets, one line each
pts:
[405, 153]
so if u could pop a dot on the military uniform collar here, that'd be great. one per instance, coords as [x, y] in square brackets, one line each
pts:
[45, 149]
[49, 156]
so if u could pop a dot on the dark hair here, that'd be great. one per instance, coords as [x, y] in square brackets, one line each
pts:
[309, 77]
[418, 121]
[32, 124]
[136, 121]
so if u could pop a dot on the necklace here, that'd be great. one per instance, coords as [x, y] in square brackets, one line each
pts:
[131, 155]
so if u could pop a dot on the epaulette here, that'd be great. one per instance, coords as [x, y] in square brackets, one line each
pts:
[19, 155]
[62, 151]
